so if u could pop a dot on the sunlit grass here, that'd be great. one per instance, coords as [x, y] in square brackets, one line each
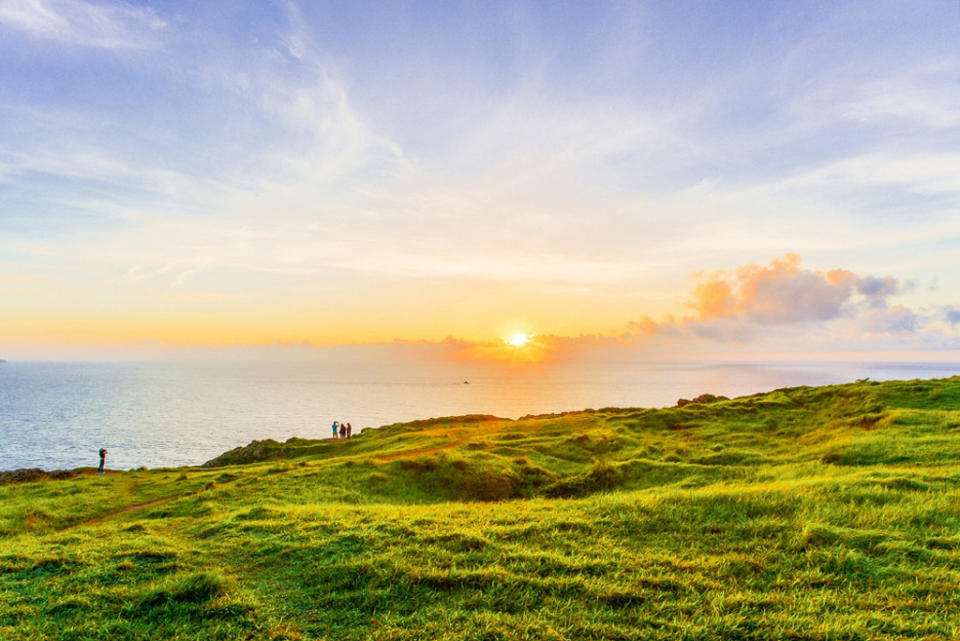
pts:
[806, 513]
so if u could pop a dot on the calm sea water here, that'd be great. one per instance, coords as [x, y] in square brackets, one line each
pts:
[57, 415]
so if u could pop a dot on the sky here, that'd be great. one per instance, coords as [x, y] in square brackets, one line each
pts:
[607, 179]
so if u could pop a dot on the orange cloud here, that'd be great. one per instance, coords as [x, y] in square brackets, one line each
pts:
[784, 292]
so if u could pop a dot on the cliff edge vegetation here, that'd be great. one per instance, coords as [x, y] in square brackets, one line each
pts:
[808, 513]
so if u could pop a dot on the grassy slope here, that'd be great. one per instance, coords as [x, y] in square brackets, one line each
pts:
[805, 513]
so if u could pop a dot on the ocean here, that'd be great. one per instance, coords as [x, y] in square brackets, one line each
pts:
[57, 415]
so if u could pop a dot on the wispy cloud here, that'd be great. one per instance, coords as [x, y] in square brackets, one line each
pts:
[285, 158]
[84, 24]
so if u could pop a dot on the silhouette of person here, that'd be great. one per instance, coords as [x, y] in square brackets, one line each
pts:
[103, 458]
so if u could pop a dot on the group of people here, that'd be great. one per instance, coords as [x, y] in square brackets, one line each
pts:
[344, 429]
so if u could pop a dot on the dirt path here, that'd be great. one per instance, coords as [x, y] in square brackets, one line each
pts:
[164, 499]
[393, 457]
[129, 508]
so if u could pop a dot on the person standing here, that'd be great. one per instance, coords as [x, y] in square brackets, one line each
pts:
[349, 430]
[335, 425]
[343, 430]
[103, 459]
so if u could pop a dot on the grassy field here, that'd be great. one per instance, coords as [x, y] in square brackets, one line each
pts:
[805, 513]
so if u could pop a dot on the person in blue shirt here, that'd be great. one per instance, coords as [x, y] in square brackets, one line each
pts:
[336, 425]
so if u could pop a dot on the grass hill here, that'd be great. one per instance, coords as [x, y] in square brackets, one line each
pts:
[804, 513]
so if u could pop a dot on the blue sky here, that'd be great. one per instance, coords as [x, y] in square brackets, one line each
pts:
[230, 172]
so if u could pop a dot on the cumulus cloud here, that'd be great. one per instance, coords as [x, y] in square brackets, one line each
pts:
[785, 292]
[897, 319]
[877, 289]
[784, 307]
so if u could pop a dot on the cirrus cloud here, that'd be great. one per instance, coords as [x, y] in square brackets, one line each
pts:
[85, 24]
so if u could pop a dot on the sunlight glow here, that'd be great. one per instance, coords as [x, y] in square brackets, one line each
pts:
[517, 340]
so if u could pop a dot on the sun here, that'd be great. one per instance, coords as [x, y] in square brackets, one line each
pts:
[517, 340]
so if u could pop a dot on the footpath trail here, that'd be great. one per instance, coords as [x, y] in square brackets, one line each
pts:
[164, 499]
[460, 439]
[140, 506]
[393, 457]
[129, 508]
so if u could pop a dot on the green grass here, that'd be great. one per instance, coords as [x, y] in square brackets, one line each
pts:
[805, 513]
